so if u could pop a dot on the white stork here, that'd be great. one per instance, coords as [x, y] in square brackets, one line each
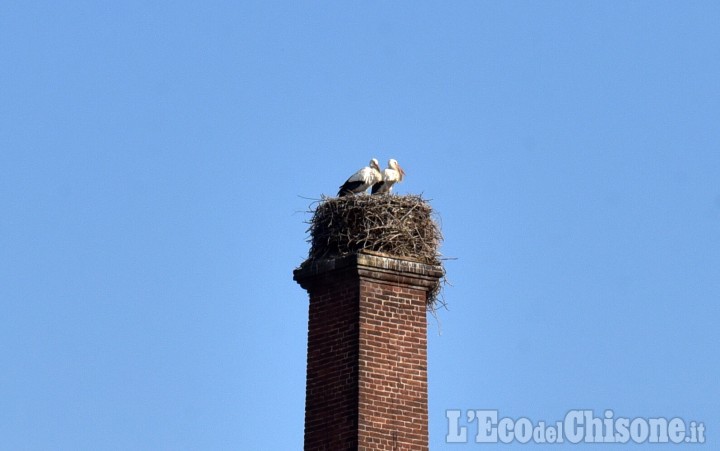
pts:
[362, 179]
[393, 174]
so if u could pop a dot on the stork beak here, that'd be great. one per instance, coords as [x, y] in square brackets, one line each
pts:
[402, 173]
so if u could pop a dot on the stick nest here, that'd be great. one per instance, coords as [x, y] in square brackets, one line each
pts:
[399, 225]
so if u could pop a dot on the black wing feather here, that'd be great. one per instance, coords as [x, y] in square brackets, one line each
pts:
[349, 187]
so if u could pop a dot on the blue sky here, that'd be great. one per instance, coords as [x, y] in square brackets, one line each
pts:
[157, 160]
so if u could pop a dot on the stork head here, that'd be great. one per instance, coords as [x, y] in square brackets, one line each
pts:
[392, 163]
[375, 164]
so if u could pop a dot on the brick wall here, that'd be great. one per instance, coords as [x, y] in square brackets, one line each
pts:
[393, 368]
[331, 395]
[367, 354]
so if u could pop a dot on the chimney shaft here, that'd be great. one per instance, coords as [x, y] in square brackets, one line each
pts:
[367, 352]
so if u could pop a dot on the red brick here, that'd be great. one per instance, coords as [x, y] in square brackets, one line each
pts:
[367, 354]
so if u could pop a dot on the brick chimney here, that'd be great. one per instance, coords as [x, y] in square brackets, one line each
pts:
[367, 351]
